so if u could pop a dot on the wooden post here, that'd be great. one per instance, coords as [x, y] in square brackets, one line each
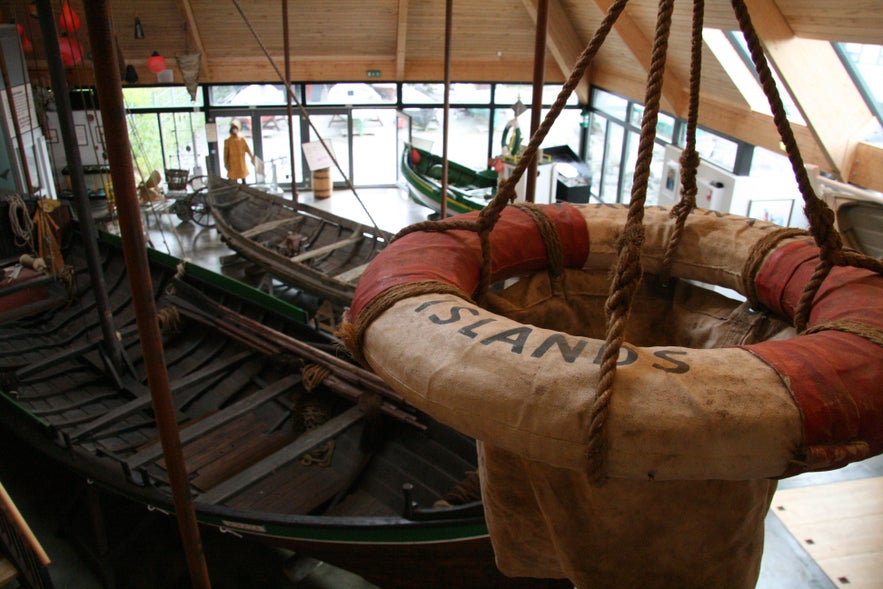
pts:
[444, 186]
[536, 102]
[110, 98]
[287, 45]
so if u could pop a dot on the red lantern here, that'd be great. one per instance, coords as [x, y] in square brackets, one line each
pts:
[71, 51]
[26, 45]
[156, 63]
[68, 21]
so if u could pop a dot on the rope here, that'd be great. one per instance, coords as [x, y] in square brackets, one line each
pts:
[551, 238]
[313, 375]
[627, 275]
[353, 333]
[689, 157]
[863, 330]
[20, 221]
[169, 319]
[821, 217]
[757, 255]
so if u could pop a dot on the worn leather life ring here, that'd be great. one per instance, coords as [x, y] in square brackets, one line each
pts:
[772, 409]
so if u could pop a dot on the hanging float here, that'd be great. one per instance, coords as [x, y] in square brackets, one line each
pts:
[632, 424]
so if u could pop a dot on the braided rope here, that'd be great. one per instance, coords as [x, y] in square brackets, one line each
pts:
[627, 275]
[821, 217]
[551, 238]
[313, 375]
[872, 334]
[689, 158]
[353, 332]
[759, 251]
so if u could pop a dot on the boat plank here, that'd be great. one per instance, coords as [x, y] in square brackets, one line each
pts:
[239, 457]
[216, 420]
[352, 273]
[270, 225]
[286, 454]
[326, 249]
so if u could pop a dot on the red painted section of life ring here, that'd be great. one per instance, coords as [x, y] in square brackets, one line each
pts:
[454, 257]
[836, 378]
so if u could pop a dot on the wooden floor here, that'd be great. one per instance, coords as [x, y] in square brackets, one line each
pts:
[789, 561]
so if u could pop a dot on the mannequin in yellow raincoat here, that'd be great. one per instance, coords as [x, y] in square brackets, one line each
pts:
[235, 148]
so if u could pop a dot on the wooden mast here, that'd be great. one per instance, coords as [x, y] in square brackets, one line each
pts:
[110, 99]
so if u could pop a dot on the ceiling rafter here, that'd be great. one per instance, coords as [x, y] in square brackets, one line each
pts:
[674, 97]
[562, 41]
[186, 8]
[832, 106]
[401, 39]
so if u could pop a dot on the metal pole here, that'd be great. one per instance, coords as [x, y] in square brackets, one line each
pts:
[78, 182]
[449, 8]
[287, 45]
[110, 99]
[536, 102]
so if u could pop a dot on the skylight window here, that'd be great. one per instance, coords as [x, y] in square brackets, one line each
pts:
[865, 64]
[732, 52]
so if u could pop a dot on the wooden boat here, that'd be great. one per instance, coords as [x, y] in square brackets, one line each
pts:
[285, 442]
[468, 189]
[302, 246]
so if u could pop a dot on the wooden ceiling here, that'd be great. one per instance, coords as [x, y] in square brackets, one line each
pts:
[493, 40]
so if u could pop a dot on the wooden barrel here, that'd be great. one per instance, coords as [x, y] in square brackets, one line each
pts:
[322, 183]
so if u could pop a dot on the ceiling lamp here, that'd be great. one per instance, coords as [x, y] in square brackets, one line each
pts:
[68, 21]
[156, 63]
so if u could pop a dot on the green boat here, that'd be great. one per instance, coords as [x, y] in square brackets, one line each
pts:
[468, 189]
[285, 442]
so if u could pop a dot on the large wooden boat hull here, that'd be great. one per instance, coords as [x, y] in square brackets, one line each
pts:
[305, 247]
[468, 190]
[261, 463]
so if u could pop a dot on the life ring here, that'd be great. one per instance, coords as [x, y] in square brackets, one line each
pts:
[511, 147]
[771, 409]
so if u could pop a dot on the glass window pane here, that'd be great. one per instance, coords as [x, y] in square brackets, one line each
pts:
[565, 130]
[249, 95]
[508, 94]
[665, 124]
[716, 149]
[467, 137]
[145, 136]
[334, 132]
[423, 94]
[351, 93]
[375, 155]
[276, 149]
[183, 137]
[612, 163]
[597, 135]
[610, 104]
[160, 97]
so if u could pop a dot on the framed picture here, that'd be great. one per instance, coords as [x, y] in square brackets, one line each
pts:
[773, 211]
[82, 138]
[670, 182]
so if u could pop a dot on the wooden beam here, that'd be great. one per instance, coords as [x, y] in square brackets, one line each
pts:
[674, 94]
[401, 39]
[563, 42]
[822, 90]
[867, 168]
[186, 8]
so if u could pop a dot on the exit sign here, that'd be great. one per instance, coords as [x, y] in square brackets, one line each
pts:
[373, 73]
